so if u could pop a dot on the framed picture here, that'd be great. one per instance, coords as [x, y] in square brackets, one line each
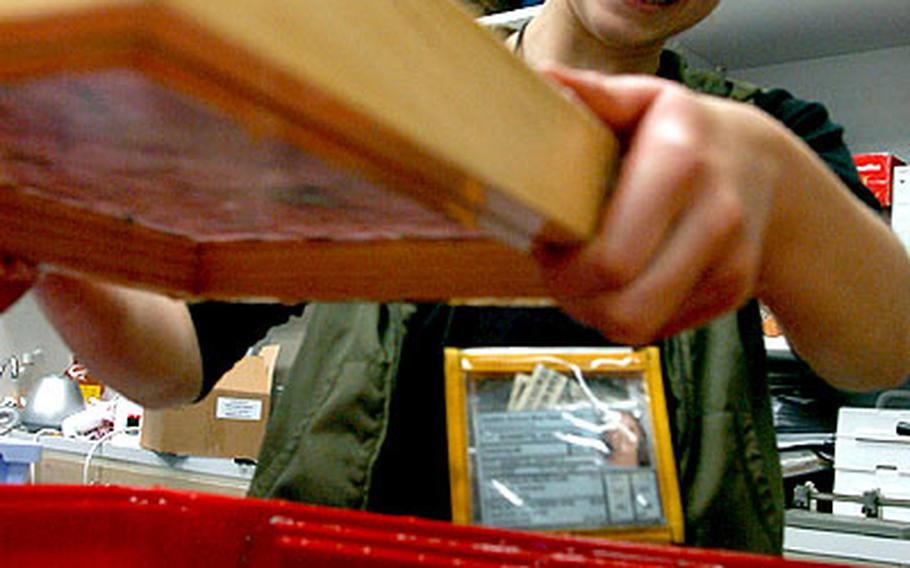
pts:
[562, 440]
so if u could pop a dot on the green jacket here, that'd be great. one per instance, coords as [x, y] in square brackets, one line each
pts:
[328, 426]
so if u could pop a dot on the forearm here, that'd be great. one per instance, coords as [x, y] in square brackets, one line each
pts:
[836, 277]
[718, 202]
[139, 343]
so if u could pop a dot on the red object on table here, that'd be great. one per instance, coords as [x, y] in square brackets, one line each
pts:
[876, 171]
[46, 525]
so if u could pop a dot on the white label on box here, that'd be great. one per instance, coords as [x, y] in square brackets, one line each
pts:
[238, 408]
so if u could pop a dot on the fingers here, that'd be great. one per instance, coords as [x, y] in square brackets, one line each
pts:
[718, 294]
[659, 179]
[14, 269]
[16, 277]
[681, 235]
[620, 101]
[726, 285]
[702, 270]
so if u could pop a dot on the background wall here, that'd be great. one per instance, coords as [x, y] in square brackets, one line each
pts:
[868, 93]
[24, 328]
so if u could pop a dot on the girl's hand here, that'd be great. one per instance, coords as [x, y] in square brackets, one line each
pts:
[682, 235]
[16, 277]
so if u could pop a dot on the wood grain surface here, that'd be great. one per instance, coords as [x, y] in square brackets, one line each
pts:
[285, 150]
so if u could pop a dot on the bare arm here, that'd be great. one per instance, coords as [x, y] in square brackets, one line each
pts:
[836, 278]
[140, 343]
[717, 203]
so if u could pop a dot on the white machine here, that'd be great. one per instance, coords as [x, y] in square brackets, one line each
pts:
[870, 518]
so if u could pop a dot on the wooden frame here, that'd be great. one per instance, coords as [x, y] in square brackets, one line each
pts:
[407, 94]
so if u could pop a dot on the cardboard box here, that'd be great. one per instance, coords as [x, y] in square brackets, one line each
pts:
[230, 422]
[876, 171]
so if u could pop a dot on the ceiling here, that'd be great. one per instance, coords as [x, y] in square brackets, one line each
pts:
[754, 33]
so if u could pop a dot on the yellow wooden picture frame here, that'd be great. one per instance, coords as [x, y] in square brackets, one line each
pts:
[465, 365]
[409, 98]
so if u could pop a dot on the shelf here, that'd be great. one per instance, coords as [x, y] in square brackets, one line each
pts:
[122, 462]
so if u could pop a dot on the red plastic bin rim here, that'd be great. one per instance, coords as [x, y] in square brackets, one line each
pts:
[216, 520]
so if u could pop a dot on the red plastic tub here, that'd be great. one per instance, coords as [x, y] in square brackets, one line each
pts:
[46, 525]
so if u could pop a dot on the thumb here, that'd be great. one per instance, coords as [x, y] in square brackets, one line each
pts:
[620, 101]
